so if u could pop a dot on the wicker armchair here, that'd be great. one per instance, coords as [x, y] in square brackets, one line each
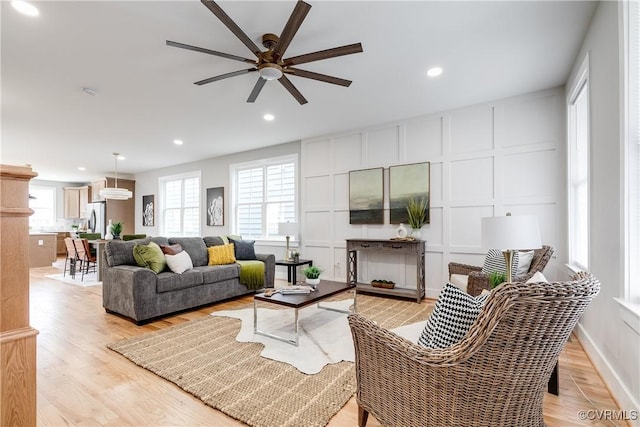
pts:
[478, 281]
[496, 376]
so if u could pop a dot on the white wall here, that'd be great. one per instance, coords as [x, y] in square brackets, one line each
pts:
[507, 155]
[612, 344]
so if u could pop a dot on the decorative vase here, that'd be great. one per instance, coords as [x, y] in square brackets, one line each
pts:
[416, 233]
[108, 235]
[312, 282]
[401, 231]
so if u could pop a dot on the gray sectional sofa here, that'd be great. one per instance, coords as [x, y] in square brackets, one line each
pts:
[140, 294]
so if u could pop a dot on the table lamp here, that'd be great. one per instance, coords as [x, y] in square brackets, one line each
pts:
[510, 233]
[287, 229]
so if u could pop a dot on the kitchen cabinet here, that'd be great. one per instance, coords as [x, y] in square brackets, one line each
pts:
[75, 201]
[96, 186]
[117, 210]
[61, 248]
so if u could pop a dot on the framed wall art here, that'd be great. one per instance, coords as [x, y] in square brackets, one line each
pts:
[148, 210]
[215, 206]
[366, 196]
[406, 183]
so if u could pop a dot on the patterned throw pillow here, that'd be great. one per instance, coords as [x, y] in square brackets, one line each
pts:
[452, 317]
[221, 255]
[494, 261]
[244, 249]
[150, 256]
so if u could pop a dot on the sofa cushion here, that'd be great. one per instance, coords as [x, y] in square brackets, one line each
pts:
[150, 256]
[119, 252]
[219, 273]
[221, 255]
[168, 281]
[524, 262]
[454, 313]
[214, 241]
[171, 249]
[195, 247]
[180, 262]
[244, 249]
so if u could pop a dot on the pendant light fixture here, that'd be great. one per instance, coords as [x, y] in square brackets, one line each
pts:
[116, 193]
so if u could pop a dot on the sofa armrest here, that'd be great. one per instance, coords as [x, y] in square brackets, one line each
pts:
[269, 268]
[127, 289]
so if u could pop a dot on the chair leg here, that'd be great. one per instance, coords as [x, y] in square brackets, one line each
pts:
[64, 272]
[363, 415]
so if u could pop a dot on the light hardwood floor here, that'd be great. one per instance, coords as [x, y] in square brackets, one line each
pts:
[82, 383]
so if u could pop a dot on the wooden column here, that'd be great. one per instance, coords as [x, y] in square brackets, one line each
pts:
[17, 338]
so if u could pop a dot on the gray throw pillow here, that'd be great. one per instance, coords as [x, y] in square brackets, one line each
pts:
[244, 249]
[452, 317]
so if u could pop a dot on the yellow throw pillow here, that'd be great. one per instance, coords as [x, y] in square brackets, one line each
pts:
[221, 255]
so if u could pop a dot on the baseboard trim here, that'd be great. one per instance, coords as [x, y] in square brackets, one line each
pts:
[619, 391]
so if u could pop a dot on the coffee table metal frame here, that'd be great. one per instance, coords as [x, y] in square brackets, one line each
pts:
[325, 290]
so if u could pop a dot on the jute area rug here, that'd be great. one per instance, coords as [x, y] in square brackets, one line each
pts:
[203, 358]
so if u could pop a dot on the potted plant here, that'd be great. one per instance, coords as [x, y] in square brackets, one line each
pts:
[417, 211]
[495, 278]
[116, 229]
[312, 275]
[295, 256]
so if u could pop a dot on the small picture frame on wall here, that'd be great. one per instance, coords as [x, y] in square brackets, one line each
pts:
[406, 183]
[215, 206]
[366, 196]
[148, 210]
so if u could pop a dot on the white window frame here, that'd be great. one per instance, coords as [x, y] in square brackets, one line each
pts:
[52, 220]
[578, 86]
[264, 163]
[162, 201]
[630, 162]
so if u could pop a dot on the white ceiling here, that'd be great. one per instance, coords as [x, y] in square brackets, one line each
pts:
[145, 96]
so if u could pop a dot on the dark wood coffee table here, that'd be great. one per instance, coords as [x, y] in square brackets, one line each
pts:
[326, 289]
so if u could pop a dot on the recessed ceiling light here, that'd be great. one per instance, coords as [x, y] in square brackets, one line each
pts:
[88, 90]
[82, 168]
[178, 141]
[434, 72]
[25, 8]
[268, 117]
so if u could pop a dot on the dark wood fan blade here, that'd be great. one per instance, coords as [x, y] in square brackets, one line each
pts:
[292, 89]
[324, 54]
[228, 22]
[291, 28]
[225, 76]
[210, 52]
[256, 89]
[317, 76]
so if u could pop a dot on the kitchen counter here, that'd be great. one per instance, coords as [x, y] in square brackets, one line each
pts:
[42, 249]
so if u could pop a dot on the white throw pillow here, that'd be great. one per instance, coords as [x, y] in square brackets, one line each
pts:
[180, 262]
[459, 280]
[524, 262]
[537, 278]
[494, 261]
[452, 317]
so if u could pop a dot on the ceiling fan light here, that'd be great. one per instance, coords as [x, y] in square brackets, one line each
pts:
[270, 71]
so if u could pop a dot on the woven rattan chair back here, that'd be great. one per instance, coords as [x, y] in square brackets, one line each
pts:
[72, 257]
[496, 376]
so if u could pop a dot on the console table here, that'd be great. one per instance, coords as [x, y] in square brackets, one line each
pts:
[402, 247]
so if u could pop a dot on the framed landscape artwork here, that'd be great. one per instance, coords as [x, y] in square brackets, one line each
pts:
[215, 206]
[407, 182]
[366, 196]
[148, 210]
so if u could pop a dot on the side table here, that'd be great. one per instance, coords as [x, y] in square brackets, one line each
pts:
[291, 267]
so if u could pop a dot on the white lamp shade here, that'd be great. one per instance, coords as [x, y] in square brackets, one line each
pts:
[116, 193]
[287, 228]
[510, 232]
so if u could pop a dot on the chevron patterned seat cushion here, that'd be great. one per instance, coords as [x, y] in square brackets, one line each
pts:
[494, 261]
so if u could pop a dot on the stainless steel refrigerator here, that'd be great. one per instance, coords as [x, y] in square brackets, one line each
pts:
[97, 217]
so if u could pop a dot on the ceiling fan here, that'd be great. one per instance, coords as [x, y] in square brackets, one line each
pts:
[271, 64]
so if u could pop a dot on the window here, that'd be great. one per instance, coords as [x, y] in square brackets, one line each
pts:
[578, 126]
[44, 207]
[264, 194]
[632, 150]
[180, 205]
